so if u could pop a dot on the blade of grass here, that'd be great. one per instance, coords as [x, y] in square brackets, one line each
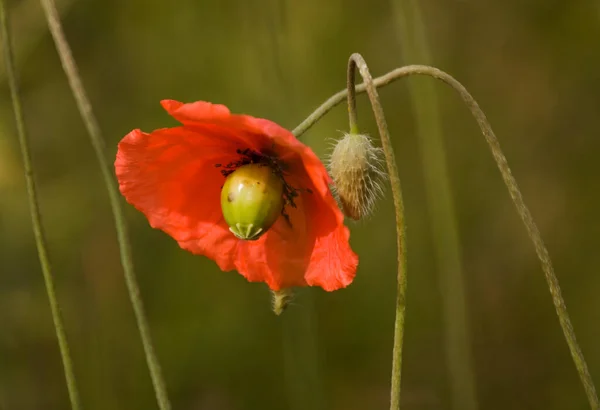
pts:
[36, 217]
[29, 25]
[415, 48]
[513, 190]
[91, 124]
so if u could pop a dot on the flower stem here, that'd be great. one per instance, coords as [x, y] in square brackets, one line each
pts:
[85, 109]
[412, 36]
[356, 60]
[513, 189]
[302, 380]
[36, 218]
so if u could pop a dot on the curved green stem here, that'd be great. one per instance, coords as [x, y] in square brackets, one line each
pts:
[36, 218]
[513, 189]
[85, 109]
[356, 60]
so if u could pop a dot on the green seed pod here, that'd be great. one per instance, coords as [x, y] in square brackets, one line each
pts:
[251, 200]
[355, 166]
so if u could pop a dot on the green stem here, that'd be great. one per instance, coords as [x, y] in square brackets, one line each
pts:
[36, 218]
[357, 61]
[303, 383]
[350, 86]
[85, 109]
[459, 362]
[513, 189]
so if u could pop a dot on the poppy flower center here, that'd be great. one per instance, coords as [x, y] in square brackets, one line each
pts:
[252, 199]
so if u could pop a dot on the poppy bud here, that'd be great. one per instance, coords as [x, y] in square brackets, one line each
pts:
[251, 200]
[355, 166]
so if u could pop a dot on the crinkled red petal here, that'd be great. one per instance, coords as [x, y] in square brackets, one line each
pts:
[170, 176]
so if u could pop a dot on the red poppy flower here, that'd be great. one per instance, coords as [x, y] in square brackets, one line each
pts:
[175, 177]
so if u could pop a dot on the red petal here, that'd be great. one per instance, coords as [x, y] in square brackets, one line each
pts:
[281, 255]
[332, 263]
[260, 134]
[312, 249]
[170, 176]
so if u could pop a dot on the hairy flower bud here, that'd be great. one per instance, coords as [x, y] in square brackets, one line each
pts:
[251, 200]
[355, 166]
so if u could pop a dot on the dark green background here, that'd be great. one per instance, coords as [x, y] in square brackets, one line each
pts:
[534, 67]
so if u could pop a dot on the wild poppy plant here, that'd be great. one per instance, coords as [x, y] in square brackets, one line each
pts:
[242, 191]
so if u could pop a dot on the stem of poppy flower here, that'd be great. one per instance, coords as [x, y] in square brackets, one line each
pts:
[36, 218]
[356, 60]
[89, 119]
[513, 189]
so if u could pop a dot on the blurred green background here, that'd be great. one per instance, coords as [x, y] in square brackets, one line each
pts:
[534, 67]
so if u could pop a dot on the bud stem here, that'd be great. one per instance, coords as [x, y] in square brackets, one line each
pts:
[356, 60]
[352, 117]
